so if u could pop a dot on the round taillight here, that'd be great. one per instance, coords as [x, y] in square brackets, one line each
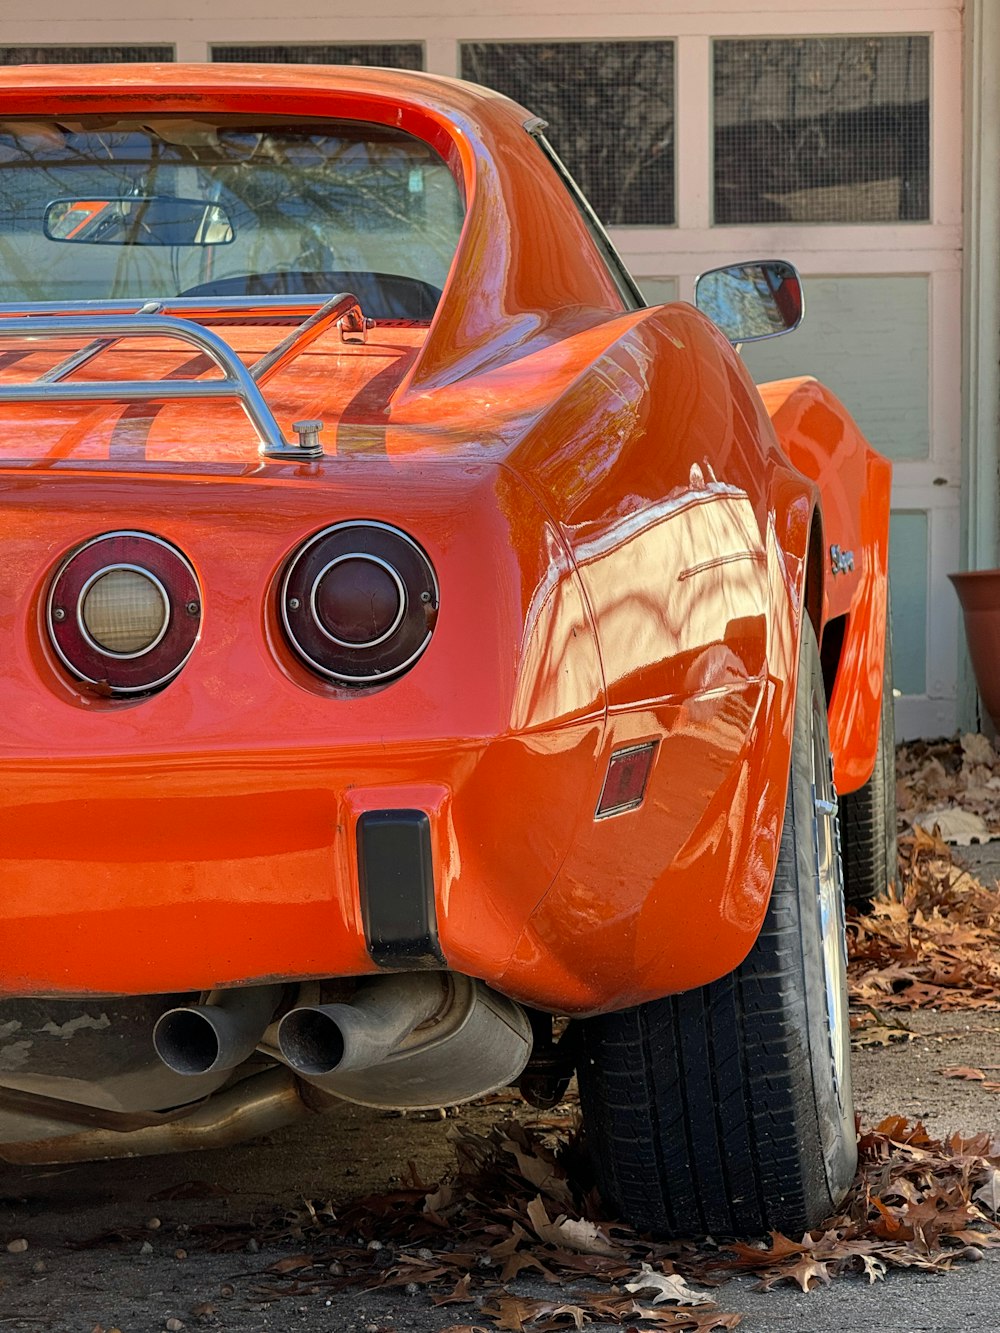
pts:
[358, 602]
[124, 611]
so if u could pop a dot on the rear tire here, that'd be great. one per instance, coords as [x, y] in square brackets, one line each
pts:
[868, 815]
[728, 1109]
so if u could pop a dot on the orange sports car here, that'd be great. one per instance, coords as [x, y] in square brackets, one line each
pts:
[411, 638]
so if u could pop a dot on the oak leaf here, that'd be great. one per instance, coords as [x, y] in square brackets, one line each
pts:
[805, 1272]
[566, 1232]
[668, 1287]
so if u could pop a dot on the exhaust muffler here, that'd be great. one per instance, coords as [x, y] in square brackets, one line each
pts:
[414, 1040]
[217, 1035]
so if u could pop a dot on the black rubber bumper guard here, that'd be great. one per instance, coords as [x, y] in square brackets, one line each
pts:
[396, 873]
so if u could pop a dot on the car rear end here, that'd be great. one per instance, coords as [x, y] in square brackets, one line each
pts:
[274, 719]
[209, 830]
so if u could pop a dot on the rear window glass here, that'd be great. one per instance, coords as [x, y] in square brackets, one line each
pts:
[97, 209]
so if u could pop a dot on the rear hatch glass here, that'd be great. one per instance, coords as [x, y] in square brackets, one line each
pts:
[154, 207]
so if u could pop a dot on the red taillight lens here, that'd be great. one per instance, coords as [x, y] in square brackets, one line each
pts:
[124, 611]
[358, 603]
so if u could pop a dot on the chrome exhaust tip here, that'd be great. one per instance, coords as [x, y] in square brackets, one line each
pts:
[318, 1039]
[219, 1035]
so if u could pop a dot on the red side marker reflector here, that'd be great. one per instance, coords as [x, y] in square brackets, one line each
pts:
[625, 783]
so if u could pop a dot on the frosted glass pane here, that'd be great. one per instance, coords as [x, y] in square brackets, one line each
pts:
[391, 55]
[867, 339]
[822, 129]
[908, 580]
[609, 106]
[658, 291]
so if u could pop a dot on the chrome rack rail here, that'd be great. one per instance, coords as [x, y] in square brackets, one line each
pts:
[110, 322]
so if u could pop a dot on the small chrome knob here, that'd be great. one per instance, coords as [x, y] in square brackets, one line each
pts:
[308, 433]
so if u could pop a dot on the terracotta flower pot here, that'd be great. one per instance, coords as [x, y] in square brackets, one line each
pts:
[979, 593]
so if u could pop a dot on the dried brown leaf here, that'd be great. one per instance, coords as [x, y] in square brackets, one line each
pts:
[459, 1295]
[806, 1273]
[292, 1264]
[569, 1233]
[874, 1269]
[541, 1171]
[669, 1287]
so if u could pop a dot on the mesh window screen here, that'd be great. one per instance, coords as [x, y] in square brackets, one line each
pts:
[393, 55]
[610, 110]
[822, 129]
[82, 55]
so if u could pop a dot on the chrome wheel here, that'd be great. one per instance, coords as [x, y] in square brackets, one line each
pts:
[830, 902]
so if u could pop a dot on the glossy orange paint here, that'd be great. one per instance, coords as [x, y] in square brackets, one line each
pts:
[621, 547]
[823, 441]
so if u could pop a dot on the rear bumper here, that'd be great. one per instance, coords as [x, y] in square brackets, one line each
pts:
[171, 879]
[180, 876]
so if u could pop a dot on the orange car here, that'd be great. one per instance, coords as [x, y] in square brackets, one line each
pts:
[410, 636]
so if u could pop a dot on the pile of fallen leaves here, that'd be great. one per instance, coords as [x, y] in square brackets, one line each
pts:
[514, 1208]
[938, 947]
[952, 784]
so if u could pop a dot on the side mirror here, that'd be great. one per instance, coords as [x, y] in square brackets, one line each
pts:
[751, 301]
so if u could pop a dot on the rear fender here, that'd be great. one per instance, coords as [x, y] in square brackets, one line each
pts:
[824, 443]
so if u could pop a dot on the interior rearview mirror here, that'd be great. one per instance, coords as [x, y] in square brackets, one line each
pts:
[138, 220]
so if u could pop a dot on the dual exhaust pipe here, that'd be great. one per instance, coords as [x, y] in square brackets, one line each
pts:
[209, 1038]
[412, 1040]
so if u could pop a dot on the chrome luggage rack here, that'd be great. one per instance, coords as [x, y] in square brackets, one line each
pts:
[109, 322]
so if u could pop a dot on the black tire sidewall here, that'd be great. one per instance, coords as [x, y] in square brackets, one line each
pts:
[868, 815]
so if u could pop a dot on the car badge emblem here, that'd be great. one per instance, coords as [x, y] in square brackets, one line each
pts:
[841, 561]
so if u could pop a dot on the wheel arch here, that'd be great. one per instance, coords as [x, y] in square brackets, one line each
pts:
[813, 590]
[847, 562]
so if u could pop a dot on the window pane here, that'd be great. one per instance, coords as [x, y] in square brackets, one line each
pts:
[393, 55]
[82, 55]
[868, 340]
[822, 129]
[908, 572]
[658, 291]
[610, 113]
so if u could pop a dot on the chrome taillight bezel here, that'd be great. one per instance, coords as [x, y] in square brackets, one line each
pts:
[390, 653]
[106, 670]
